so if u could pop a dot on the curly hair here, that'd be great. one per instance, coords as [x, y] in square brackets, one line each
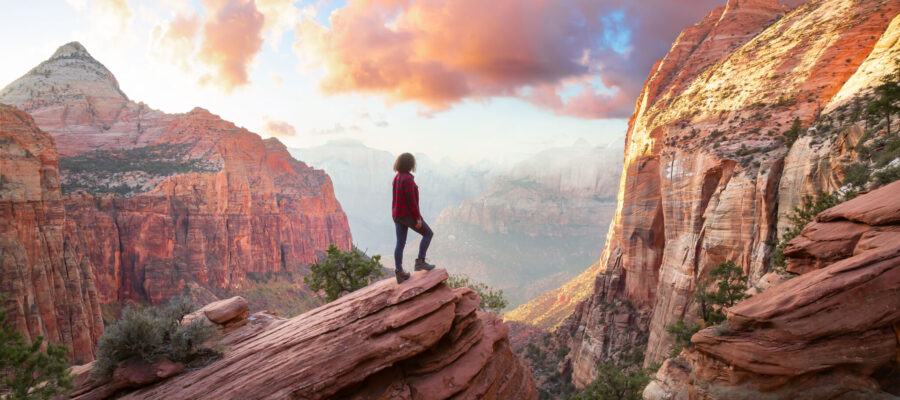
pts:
[405, 163]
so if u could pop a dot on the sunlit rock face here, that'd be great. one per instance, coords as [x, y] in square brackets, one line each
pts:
[168, 201]
[830, 332]
[706, 176]
[45, 275]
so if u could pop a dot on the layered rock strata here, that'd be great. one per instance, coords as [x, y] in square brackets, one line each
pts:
[167, 202]
[46, 277]
[705, 178]
[828, 333]
[418, 340]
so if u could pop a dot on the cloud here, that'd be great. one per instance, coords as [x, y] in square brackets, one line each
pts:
[274, 127]
[174, 40]
[279, 16]
[439, 53]
[232, 35]
[337, 128]
[118, 9]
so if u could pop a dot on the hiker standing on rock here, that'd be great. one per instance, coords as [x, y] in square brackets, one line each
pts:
[405, 211]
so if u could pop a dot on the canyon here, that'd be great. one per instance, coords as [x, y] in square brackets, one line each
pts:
[709, 174]
[523, 226]
[164, 204]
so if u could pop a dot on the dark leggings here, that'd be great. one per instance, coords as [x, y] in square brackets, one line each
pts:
[402, 230]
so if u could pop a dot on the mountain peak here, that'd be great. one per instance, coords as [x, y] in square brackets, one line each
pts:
[71, 50]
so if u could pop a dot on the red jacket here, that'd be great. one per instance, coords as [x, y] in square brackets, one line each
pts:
[406, 198]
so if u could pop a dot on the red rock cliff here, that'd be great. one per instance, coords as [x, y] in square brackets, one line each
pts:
[166, 201]
[704, 162]
[45, 275]
[829, 333]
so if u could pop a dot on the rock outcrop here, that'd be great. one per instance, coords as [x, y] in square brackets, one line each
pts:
[706, 178]
[45, 275]
[169, 201]
[828, 333]
[418, 340]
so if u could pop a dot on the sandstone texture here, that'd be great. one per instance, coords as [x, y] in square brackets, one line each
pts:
[828, 333]
[46, 276]
[418, 340]
[707, 176]
[166, 202]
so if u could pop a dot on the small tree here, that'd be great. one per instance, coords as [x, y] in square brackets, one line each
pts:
[802, 216]
[342, 272]
[27, 371]
[618, 381]
[492, 300]
[723, 289]
[728, 280]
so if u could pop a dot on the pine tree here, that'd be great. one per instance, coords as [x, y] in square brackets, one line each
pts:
[26, 370]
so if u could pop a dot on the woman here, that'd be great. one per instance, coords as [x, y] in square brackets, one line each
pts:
[406, 215]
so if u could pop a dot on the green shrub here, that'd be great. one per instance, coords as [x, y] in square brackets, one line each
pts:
[728, 280]
[26, 371]
[802, 216]
[723, 289]
[616, 382]
[683, 332]
[887, 175]
[342, 272]
[791, 135]
[856, 175]
[491, 299]
[149, 333]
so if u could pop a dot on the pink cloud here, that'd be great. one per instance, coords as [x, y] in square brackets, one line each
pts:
[439, 53]
[274, 127]
[232, 36]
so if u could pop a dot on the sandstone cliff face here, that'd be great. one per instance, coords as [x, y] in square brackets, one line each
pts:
[704, 160]
[829, 333]
[418, 340]
[168, 201]
[45, 274]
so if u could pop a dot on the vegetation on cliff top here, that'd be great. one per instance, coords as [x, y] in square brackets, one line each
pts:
[27, 371]
[492, 300]
[342, 272]
[152, 333]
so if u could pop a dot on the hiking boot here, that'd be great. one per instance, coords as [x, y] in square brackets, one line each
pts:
[401, 275]
[421, 265]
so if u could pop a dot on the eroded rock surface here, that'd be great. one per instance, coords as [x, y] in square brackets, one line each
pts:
[418, 340]
[828, 333]
[45, 274]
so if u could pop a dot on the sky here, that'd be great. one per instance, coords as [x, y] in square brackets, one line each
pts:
[464, 79]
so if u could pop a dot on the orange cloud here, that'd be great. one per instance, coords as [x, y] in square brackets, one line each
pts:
[274, 127]
[174, 40]
[439, 53]
[232, 36]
